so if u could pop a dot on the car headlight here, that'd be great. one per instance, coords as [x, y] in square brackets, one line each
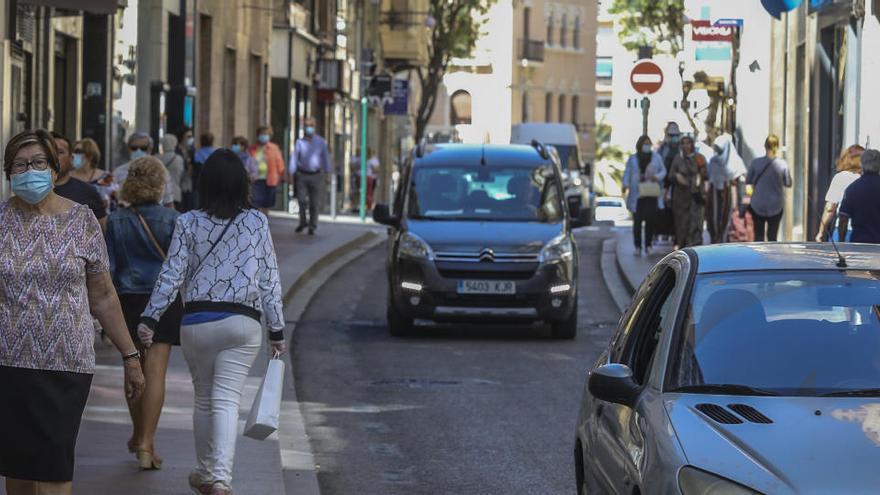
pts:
[692, 481]
[413, 246]
[559, 248]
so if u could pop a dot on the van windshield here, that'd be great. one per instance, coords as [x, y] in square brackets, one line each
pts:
[497, 193]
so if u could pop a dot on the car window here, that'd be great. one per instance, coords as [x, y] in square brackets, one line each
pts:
[794, 333]
[496, 193]
[643, 329]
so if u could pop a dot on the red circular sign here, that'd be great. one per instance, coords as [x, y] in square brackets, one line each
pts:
[646, 77]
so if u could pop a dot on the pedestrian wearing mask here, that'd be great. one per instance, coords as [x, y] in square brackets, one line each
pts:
[86, 161]
[240, 147]
[310, 164]
[54, 276]
[270, 169]
[769, 177]
[74, 189]
[727, 174]
[138, 238]
[175, 166]
[669, 150]
[849, 169]
[223, 259]
[140, 144]
[186, 150]
[688, 195]
[642, 181]
[860, 206]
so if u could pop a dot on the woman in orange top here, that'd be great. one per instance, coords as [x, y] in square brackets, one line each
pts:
[270, 169]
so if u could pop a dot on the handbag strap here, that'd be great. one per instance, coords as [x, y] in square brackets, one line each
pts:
[149, 232]
[758, 178]
[213, 245]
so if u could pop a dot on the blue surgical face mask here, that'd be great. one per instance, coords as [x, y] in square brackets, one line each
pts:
[32, 186]
[78, 161]
[263, 138]
[674, 139]
[236, 148]
[646, 148]
[190, 142]
[138, 154]
[310, 131]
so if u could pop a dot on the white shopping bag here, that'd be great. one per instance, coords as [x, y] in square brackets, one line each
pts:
[266, 411]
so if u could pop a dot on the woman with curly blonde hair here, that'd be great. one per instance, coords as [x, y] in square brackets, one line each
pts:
[849, 168]
[138, 237]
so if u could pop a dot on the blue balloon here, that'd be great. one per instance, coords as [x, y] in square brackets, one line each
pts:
[777, 7]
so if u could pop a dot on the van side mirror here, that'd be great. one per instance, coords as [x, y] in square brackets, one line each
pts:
[382, 214]
[614, 383]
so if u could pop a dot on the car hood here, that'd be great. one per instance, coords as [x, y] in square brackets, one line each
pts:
[813, 445]
[467, 236]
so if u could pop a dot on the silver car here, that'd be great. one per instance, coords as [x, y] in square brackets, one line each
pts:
[740, 369]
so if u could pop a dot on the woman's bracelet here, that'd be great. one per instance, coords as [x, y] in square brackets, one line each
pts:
[129, 357]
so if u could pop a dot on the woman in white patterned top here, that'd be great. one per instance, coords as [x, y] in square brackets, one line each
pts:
[222, 261]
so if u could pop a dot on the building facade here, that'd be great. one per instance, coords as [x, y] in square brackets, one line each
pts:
[824, 69]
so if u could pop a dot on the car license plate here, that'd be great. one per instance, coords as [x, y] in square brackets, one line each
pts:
[486, 287]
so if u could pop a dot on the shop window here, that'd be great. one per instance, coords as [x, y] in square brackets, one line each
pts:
[460, 108]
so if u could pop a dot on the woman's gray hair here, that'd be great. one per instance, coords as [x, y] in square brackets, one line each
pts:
[871, 161]
[169, 143]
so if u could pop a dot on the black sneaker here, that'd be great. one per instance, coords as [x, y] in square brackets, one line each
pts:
[311, 231]
[300, 228]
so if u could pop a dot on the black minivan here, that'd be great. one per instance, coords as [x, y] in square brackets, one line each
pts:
[481, 233]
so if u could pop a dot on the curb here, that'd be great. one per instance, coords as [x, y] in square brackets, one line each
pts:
[322, 263]
[622, 274]
[299, 471]
[615, 280]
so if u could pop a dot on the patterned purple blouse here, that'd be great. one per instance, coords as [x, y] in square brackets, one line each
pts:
[45, 321]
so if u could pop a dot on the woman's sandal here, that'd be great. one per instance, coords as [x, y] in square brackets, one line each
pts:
[148, 460]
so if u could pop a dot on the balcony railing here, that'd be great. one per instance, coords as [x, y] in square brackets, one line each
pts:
[531, 50]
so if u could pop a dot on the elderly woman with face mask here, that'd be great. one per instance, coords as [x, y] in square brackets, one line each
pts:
[688, 197]
[54, 276]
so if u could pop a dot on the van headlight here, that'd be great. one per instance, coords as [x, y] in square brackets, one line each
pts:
[559, 248]
[693, 481]
[414, 246]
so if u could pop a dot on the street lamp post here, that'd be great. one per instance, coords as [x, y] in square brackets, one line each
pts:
[363, 199]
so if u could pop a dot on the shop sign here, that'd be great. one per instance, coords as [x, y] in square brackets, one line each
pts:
[706, 31]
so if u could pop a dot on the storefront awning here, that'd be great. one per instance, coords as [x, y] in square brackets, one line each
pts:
[92, 6]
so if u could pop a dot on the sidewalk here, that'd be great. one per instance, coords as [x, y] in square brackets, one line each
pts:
[633, 269]
[282, 463]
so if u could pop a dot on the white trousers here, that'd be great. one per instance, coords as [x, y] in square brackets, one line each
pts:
[219, 355]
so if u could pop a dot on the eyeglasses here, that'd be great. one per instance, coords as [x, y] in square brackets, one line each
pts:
[77, 151]
[142, 148]
[39, 164]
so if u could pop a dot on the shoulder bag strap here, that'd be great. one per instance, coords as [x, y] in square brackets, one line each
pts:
[213, 245]
[149, 231]
[758, 178]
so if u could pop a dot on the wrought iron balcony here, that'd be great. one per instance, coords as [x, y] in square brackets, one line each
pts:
[531, 50]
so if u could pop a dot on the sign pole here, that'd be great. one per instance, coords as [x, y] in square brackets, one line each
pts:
[363, 199]
[646, 105]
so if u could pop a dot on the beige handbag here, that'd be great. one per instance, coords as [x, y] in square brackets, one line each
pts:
[649, 189]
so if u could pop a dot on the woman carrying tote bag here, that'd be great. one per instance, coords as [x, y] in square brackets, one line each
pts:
[138, 238]
[223, 259]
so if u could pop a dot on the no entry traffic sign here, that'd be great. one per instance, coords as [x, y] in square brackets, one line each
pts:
[646, 77]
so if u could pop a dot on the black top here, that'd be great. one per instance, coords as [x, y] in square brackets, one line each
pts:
[861, 206]
[84, 194]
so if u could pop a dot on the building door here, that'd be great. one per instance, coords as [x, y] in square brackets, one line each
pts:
[228, 95]
[64, 100]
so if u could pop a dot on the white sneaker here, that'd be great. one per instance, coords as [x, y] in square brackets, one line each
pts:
[638, 252]
[647, 251]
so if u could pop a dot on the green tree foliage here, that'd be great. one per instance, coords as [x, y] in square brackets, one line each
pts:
[655, 23]
[610, 161]
[455, 28]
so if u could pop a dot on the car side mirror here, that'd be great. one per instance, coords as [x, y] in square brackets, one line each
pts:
[382, 214]
[614, 383]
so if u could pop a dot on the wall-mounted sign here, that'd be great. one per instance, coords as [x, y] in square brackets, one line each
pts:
[706, 31]
[400, 94]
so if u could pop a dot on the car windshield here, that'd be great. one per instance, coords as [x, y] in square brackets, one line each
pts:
[791, 333]
[485, 193]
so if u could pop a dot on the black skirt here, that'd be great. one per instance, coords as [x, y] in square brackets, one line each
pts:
[168, 330]
[40, 416]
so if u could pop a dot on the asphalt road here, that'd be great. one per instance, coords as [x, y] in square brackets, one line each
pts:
[463, 410]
